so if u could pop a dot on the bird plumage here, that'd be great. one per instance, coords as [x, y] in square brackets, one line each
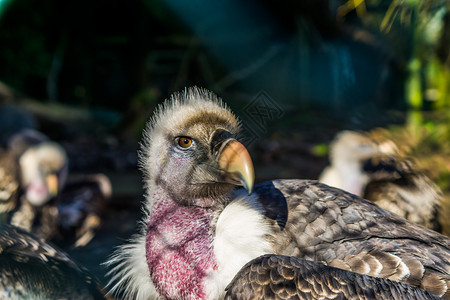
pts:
[399, 187]
[81, 207]
[286, 277]
[374, 170]
[33, 269]
[339, 229]
[198, 231]
[9, 184]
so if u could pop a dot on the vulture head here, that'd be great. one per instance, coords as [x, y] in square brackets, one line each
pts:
[353, 147]
[190, 150]
[43, 165]
[43, 170]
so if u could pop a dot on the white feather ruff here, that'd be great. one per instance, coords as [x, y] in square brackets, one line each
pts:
[129, 272]
[241, 235]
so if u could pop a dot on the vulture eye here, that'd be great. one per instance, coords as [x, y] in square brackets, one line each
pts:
[184, 142]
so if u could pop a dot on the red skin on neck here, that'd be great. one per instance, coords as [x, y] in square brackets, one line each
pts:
[179, 248]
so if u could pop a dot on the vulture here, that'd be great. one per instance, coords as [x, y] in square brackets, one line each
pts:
[375, 171]
[199, 231]
[33, 171]
[30, 268]
[37, 194]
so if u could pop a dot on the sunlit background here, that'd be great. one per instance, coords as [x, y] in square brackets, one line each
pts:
[89, 74]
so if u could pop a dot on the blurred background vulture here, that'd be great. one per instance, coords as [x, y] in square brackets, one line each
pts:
[38, 195]
[199, 231]
[37, 168]
[370, 166]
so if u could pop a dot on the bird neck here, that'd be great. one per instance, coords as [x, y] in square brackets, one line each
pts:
[179, 247]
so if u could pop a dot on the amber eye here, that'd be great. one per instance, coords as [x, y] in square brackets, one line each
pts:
[184, 142]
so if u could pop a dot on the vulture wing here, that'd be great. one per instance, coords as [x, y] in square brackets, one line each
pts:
[287, 277]
[32, 269]
[328, 225]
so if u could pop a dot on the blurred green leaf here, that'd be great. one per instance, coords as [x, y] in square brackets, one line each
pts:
[414, 85]
[320, 150]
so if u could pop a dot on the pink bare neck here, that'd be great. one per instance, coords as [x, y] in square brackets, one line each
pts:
[179, 247]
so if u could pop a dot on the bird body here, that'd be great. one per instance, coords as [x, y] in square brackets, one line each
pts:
[198, 231]
[309, 278]
[33, 269]
[324, 225]
[397, 186]
[180, 247]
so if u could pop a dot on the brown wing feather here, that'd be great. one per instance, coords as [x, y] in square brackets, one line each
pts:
[331, 226]
[285, 277]
[33, 269]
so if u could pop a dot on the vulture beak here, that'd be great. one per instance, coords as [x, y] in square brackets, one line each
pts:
[234, 160]
[52, 184]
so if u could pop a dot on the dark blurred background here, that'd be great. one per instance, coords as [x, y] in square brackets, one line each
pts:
[118, 60]
[89, 74]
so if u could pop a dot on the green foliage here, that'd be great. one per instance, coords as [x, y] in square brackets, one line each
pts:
[444, 180]
[320, 150]
[415, 29]
[437, 76]
[413, 85]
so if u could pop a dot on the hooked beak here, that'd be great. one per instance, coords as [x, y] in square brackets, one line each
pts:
[234, 160]
[52, 184]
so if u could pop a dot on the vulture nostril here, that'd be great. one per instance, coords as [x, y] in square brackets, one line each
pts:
[218, 139]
